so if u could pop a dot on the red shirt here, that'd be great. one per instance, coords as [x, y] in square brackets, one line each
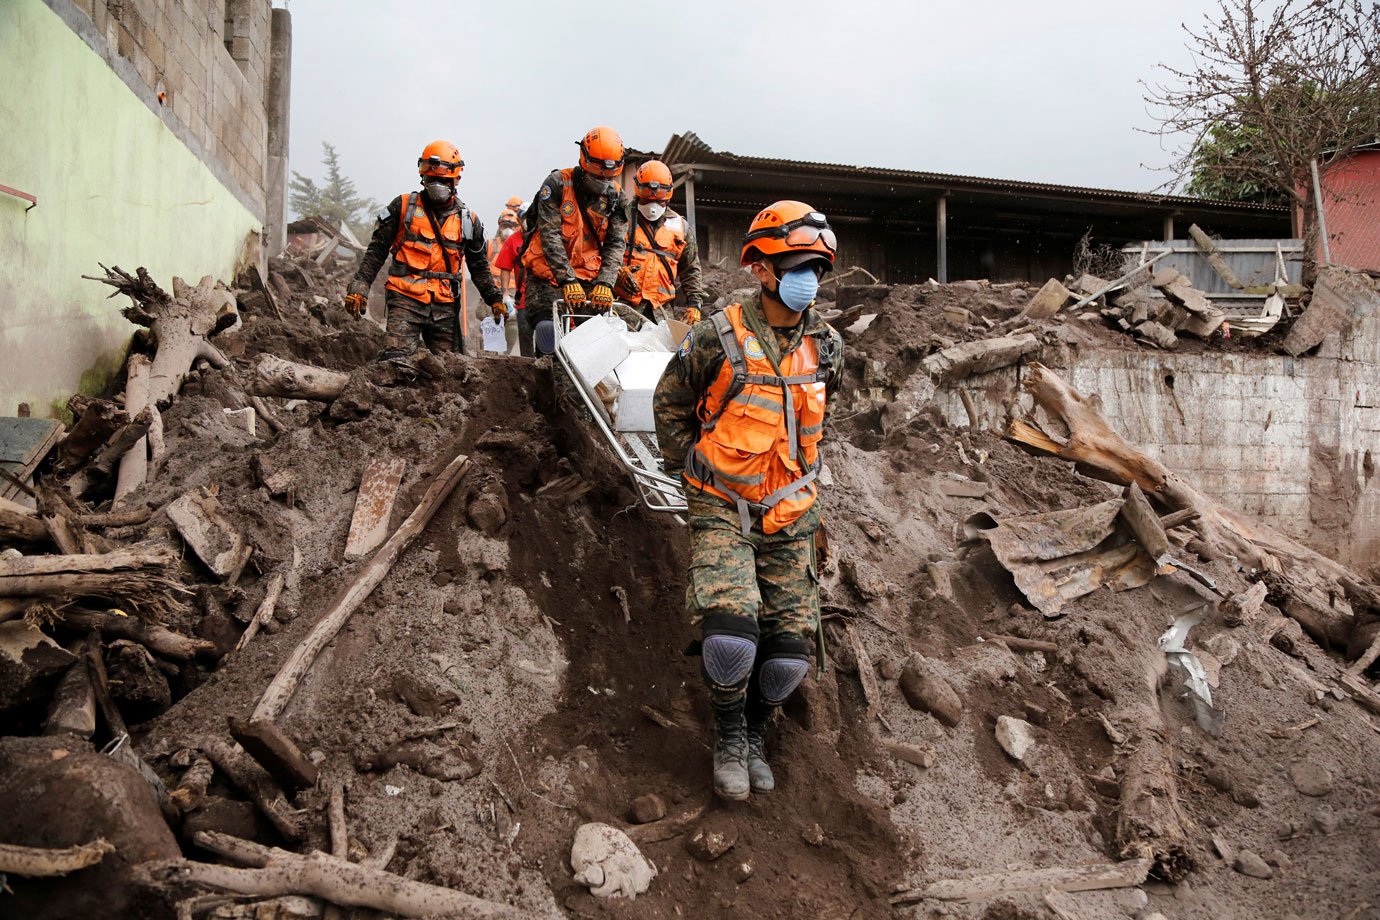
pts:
[507, 260]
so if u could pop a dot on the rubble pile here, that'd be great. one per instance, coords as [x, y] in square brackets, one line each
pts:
[412, 646]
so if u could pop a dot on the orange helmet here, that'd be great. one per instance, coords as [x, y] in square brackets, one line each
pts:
[653, 181]
[513, 202]
[789, 229]
[440, 158]
[507, 216]
[601, 152]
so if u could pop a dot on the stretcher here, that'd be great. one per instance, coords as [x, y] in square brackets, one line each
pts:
[614, 371]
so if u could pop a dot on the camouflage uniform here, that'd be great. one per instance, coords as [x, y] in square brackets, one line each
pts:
[770, 578]
[410, 322]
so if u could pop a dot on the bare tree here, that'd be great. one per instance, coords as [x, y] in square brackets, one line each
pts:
[1297, 77]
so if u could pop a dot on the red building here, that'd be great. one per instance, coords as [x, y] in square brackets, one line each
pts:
[1351, 202]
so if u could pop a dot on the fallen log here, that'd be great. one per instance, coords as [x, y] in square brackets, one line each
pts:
[260, 788]
[155, 637]
[137, 576]
[181, 325]
[19, 525]
[1100, 452]
[191, 789]
[277, 753]
[97, 421]
[72, 710]
[276, 581]
[1151, 826]
[959, 361]
[121, 444]
[277, 872]
[280, 691]
[134, 461]
[1126, 874]
[274, 376]
[41, 862]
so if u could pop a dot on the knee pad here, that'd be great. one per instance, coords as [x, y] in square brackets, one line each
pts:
[785, 662]
[544, 337]
[729, 649]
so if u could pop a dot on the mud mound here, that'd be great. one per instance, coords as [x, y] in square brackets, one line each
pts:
[521, 669]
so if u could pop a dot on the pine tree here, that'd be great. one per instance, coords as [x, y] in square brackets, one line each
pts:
[337, 201]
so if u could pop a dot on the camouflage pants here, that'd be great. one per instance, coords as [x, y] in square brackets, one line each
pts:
[412, 324]
[770, 578]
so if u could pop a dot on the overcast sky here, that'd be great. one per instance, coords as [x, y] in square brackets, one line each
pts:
[1000, 88]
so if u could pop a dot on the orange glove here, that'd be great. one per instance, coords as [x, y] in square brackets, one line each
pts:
[692, 314]
[573, 294]
[601, 297]
[500, 310]
[625, 284]
[357, 298]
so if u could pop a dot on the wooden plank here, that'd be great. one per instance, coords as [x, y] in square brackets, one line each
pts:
[1126, 874]
[24, 442]
[378, 490]
[1144, 523]
[964, 488]
[275, 752]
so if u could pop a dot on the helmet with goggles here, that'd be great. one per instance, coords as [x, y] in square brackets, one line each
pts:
[440, 159]
[652, 181]
[601, 152]
[786, 230]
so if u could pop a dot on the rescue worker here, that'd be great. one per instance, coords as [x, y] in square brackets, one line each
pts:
[513, 276]
[740, 411]
[427, 233]
[507, 226]
[661, 249]
[577, 231]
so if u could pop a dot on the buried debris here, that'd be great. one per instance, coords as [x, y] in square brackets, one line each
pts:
[610, 865]
[1195, 678]
[1126, 874]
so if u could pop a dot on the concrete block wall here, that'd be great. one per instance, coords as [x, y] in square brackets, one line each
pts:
[211, 57]
[1294, 442]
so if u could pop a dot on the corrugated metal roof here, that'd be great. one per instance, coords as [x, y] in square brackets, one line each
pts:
[688, 150]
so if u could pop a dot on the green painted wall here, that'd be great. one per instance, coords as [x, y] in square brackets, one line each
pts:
[114, 186]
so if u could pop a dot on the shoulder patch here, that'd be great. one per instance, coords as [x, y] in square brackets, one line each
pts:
[567, 209]
[545, 191]
[753, 348]
[687, 344]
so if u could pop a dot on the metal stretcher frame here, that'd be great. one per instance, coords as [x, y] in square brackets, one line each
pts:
[658, 491]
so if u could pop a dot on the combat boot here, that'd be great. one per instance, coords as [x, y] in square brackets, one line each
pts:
[759, 713]
[731, 752]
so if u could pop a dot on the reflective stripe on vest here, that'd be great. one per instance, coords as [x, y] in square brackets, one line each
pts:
[759, 427]
[654, 259]
[582, 233]
[417, 256]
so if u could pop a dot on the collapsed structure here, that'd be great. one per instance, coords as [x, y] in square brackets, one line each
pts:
[356, 641]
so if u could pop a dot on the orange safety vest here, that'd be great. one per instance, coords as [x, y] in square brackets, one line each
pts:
[423, 268]
[760, 428]
[582, 232]
[653, 259]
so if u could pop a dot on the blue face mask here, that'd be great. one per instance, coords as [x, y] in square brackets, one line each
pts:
[797, 288]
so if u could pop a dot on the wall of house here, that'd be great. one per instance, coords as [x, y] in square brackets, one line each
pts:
[122, 178]
[1291, 441]
[1351, 201]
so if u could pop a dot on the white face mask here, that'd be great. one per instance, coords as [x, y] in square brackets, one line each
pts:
[652, 210]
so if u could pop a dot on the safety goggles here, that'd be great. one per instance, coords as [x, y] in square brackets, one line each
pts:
[604, 168]
[435, 162]
[803, 231]
[653, 190]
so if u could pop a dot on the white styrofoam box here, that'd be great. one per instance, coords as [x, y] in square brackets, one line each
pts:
[596, 347]
[638, 375]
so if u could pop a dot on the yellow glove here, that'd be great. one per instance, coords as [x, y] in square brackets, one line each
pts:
[692, 315]
[500, 310]
[601, 297]
[574, 294]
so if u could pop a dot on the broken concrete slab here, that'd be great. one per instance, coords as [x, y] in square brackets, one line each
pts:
[216, 542]
[959, 361]
[1016, 736]
[608, 863]
[1340, 296]
[1048, 300]
[1161, 336]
